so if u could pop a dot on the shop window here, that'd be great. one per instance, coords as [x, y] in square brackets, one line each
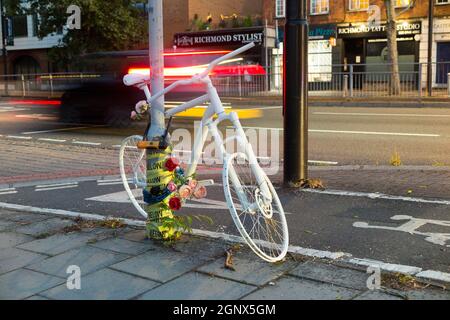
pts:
[280, 8]
[443, 62]
[20, 26]
[319, 61]
[26, 65]
[320, 6]
[357, 5]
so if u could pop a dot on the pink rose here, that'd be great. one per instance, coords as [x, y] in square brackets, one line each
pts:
[185, 192]
[193, 184]
[134, 115]
[200, 193]
[172, 187]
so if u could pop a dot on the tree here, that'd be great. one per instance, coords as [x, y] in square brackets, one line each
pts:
[105, 26]
[391, 29]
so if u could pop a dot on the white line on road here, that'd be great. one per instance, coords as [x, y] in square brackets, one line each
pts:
[382, 114]
[51, 140]
[358, 132]
[56, 188]
[341, 256]
[59, 130]
[376, 196]
[57, 185]
[85, 143]
[19, 137]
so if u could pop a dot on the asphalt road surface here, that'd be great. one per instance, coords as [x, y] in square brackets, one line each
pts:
[366, 228]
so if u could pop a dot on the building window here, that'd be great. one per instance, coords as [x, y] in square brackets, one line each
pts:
[442, 1]
[280, 8]
[320, 6]
[357, 5]
[402, 3]
[20, 26]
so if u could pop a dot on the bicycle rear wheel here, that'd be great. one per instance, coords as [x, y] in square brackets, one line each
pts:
[262, 224]
[133, 171]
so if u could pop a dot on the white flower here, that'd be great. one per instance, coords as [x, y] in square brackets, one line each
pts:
[142, 107]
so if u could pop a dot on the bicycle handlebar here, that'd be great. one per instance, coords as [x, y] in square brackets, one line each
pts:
[205, 73]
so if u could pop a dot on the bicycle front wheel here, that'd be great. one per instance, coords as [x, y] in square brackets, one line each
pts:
[133, 171]
[262, 224]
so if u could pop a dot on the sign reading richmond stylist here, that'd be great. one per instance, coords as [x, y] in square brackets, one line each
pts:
[219, 38]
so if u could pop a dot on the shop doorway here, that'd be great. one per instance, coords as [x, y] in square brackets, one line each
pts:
[355, 56]
[443, 62]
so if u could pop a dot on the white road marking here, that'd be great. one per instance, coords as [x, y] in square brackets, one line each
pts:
[19, 137]
[56, 188]
[341, 256]
[333, 163]
[59, 130]
[382, 114]
[411, 226]
[57, 185]
[85, 143]
[51, 140]
[401, 134]
[7, 191]
[374, 196]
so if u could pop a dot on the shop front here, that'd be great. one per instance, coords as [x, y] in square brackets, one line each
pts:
[365, 48]
[441, 50]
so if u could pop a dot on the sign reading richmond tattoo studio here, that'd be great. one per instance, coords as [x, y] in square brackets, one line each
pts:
[364, 30]
[227, 37]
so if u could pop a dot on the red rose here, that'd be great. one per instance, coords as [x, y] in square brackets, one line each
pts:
[172, 164]
[175, 204]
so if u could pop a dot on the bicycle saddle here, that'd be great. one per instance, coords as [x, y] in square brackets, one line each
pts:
[135, 79]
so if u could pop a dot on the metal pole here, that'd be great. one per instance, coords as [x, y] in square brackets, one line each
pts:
[4, 51]
[448, 84]
[156, 45]
[430, 48]
[296, 93]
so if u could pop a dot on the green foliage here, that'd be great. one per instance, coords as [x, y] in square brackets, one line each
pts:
[247, 22]
[105, 26]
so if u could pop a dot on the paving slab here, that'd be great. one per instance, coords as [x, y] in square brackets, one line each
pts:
[37, 298]
[6, 225]
[22, 283]
[12, 259]
[105, 284]
[45, 227]
[249, 269]
[23, 217]
[136, 235]
[123, 246]
[332, 274]
[10, 239]
[89, 259]
[201, 246]
[377, 295]
[57, 243]
[196, 286]
[291, 288]
[159, 265]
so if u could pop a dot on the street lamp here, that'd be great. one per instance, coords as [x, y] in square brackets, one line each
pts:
[296, 93]
[430, 48]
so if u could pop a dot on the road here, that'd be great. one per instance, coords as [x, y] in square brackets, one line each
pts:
[366, 228]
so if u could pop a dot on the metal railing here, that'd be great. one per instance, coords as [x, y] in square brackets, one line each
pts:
[344, 81]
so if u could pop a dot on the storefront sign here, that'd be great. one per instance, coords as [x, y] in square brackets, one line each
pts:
[236, 37]
[322, 32]
[364, 30]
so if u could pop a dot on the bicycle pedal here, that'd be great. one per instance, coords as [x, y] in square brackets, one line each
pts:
[206, 183]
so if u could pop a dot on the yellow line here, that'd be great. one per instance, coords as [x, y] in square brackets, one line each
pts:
[242, 113]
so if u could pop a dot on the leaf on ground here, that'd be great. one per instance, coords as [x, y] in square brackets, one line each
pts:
[229, 260]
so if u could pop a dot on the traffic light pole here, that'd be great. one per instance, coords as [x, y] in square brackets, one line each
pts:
[296, 93]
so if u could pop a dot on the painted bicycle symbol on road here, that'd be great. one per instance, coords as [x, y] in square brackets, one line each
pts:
[412, 225]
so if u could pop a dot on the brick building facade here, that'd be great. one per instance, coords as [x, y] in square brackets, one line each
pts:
[357, 40]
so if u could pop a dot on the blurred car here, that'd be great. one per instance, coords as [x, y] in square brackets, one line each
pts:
[102, 98]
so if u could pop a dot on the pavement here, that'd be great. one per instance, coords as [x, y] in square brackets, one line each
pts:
[42, 255]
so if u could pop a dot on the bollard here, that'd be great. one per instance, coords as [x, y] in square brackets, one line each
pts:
[345, 85]
[448, 84]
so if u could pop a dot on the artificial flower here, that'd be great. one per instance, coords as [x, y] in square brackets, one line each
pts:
[175, 203]
[200, 192]
[134, 115]
[172, 164]
[172, 187]
[185, 192]
[193, 184]
[141, 107]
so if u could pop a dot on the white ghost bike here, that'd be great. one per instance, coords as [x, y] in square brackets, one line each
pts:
[251, 198]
